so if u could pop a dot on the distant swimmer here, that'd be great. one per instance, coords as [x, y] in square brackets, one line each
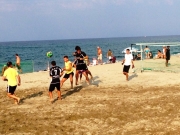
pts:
[80, 65]
[99, 55]
[55, 73]
[127, 63]
[18, 62]
[13, 78]
[69, 71]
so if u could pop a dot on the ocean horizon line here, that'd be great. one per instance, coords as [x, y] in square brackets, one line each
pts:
[85, 38]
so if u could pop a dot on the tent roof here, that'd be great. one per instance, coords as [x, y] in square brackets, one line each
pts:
[158, 44]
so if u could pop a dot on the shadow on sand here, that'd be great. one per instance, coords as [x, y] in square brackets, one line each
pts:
[133, 76]
[94, 81]
[76, 89]
[31, 96]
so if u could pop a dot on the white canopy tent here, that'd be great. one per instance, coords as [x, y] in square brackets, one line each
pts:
[154, 44]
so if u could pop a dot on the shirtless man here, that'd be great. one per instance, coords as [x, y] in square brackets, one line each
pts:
[18, 62]
[99, 54]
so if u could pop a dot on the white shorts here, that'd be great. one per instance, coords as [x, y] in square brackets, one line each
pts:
[100, 57]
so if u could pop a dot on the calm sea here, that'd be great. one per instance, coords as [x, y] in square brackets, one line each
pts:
[33, 53]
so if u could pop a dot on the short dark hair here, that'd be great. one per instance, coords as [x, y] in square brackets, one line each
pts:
[9, 63]
[77, 48]
[17, 54]
[53, 63]
[127, 49]
[66, 56]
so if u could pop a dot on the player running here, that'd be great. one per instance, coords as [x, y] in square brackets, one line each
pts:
[12, 76]
[55, 73]
[69, 71]
[80, 65]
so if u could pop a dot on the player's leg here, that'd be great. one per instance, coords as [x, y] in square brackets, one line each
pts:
[71, 79]
[58, 91]
[89, 72]
[51, 89]
[10, 93]
[77, 76]
[87, 79]
[63, 80]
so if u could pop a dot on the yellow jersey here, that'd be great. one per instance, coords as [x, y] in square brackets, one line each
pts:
[68, 67]
[11, 75]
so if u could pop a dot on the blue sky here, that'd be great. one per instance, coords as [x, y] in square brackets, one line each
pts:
[22, 20]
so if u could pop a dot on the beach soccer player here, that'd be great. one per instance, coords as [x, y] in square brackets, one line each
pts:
[18, 62]
[13, 78]
[55, 73]
[167, 55]
[99, 55]
[80, 65]
[127, 63]
[69, 71]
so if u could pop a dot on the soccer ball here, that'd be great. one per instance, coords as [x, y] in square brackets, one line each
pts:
[49, 54]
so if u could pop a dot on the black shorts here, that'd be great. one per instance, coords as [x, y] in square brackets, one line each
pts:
[53, 86]
[126, 68]
[81, 67]
[11, 89]
[68, 75]
[167, 58]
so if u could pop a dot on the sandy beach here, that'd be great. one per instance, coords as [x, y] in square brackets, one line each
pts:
[146, 104]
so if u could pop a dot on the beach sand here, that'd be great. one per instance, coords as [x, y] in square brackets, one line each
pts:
[146, 104]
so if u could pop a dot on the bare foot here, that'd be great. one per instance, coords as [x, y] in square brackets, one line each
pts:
[18, 100]
[16, 103]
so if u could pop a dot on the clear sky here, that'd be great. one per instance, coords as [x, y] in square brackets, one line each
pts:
[22, 20]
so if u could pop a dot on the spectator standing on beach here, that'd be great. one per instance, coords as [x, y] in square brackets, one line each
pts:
[55, 74]
[147, 50]
[167, 55]
[109, 55]
[164, 52]
[81, 67]
[13, 78]
[69, 71]
[127, 63]
[18, 62]
[99, 55]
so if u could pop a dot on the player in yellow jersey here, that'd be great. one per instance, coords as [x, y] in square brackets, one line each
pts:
[69, 72]
[12, 76]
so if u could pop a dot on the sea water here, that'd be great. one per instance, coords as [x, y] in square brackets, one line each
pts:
[33, 53]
